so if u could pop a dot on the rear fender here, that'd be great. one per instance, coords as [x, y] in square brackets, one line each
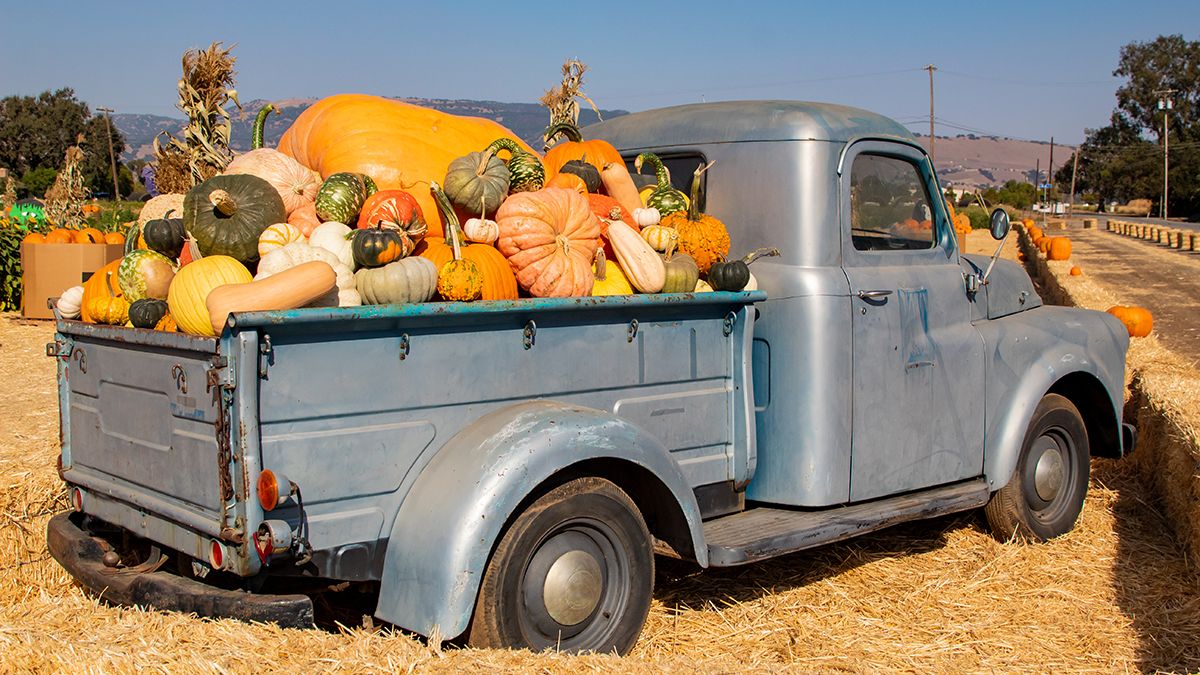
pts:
[453, 516]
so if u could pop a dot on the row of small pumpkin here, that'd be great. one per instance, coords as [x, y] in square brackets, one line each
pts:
[63, 235]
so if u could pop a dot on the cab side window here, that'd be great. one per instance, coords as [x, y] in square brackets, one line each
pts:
[889, 209]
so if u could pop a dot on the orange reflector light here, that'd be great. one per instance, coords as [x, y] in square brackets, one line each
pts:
[268, 490]
[216, 555]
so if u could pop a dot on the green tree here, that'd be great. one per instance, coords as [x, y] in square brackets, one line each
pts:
[38, 180]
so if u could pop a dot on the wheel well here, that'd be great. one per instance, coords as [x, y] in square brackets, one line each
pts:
[1091, 399]
[662, 513]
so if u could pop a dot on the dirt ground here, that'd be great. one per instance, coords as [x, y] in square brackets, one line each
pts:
[1114, 595]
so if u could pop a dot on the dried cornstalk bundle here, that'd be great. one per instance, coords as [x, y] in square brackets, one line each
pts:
[64, 199]
[563, 101]
[10, 194]
[204, 90]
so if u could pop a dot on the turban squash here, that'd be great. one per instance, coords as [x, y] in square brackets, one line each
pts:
[400, 145]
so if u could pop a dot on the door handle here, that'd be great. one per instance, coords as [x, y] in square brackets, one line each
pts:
[874, 295]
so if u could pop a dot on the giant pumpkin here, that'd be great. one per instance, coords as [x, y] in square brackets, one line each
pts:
[550, 238]
[400, 145]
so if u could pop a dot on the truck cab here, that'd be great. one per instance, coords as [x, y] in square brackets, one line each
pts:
[507, 471]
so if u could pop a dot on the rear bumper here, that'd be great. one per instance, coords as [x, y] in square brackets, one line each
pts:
[81, 555]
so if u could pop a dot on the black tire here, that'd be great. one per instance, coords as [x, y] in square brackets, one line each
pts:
[1056, 453]
[592, 533]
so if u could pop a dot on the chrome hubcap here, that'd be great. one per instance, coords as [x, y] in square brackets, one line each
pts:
[573, 587]
[1049, 471]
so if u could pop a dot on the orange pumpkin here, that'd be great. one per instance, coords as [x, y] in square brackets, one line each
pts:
[89, 235]
[399, 145]
[550, 238]
[34, 238]
[102, 284]
[568, 181]
[114, 238]
[499, 282]
[1138, 320]
[596, 152]
[60, 235]
[1059, 249]
[1076, 272]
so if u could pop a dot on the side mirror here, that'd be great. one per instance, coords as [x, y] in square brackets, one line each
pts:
[999, 224]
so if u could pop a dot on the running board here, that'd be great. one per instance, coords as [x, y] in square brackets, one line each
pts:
[761, 533]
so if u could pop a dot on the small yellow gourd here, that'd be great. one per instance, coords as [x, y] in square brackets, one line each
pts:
[610, 280]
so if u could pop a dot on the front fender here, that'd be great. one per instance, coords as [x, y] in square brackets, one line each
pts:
[452, 517]
[1030, 351]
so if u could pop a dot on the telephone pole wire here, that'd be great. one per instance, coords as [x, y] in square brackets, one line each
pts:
[932, 155]
[112, 157]
[1165, 104]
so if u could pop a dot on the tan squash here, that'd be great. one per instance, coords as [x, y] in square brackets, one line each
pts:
[619, 185]
[294, 287]
[641, 263]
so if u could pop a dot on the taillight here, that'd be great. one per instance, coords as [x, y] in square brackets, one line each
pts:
[273, 537]
[273, 488]
[216, 555]
[77, 500]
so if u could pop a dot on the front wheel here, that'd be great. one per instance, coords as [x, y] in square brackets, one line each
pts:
[574, 572]
[1045, 494]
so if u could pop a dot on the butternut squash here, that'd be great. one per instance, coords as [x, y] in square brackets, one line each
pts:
[642, 265]
[294, 287]
[619, 185]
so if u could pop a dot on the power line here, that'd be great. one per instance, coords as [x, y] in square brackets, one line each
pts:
[1028, 83]
[778, 83]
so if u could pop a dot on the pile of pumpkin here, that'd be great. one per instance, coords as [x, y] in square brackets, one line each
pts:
[270, 234]
[62, 235]
[1054, 248]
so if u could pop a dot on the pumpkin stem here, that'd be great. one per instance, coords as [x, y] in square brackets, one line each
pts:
[108, 284]
[694, 205]
[672, 245]
[260, 121]
[566, 128]
[452, 228]
[563, 243]
[760, 253]
[601, 265]
[223, 202]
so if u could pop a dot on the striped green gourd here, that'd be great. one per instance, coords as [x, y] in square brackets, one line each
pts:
[260, 121]
[526, 173]
[341, 196]
[664, 198]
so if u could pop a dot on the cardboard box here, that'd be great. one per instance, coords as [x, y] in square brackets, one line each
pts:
[50, 269]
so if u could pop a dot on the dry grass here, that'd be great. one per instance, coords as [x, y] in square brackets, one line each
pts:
[1112, 596]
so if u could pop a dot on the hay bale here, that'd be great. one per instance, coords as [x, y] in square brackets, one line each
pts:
[1089, 223]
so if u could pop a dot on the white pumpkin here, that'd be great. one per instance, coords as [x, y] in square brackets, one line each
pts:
[751, 285]
[278, 236]
[298, 253]
[333, 237]
[70, 302]
[481, 230]
[646, 217]
[703, 287]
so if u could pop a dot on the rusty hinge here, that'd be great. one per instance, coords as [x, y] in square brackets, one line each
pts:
[266, 355]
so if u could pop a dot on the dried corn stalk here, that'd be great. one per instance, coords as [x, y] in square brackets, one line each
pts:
[10, 194]
[204, 90]
[562, 102]
[64, 199]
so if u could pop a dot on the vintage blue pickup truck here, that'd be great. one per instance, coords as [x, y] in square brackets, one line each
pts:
[507, 471]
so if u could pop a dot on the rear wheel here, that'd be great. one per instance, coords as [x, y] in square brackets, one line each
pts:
[574, 572]
[1045, 495]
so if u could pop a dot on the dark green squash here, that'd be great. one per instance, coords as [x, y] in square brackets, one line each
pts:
[165, 235]
[665, 198]
[377, 246]
[733, 275]
[147, 312]
[342, 195]
[584, 169]
[474, 177]
[525, 170]
[227, 214]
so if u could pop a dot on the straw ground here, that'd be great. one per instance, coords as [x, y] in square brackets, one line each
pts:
[1114, 595]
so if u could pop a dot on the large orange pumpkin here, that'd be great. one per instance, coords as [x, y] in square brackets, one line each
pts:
[34, 238]
[595, 152]
[550, 238]
[1138, 320]
[101, 284]
[114, 238]
[399, 145]
[1060, 249]
[60, 235]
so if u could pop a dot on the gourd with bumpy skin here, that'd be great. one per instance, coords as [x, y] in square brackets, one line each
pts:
[642, 266]
[192, 284]
[227, 214]
[459, 280]
[550, 238]
[147, 312]
[665, 198]
[610, 280]
[475, 177]
[499, 282]
[407, 281]
[167, 324]
[165, 235]
[525, 171]
[112, 309]
[733, 275]
[342, 195]
[681, 272]
[145, 274]
[597, 152]
[700, 235]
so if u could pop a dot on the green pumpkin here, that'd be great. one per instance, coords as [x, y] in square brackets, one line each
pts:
[733, 275]
[145, 274]
[377, 246]
[413, 279]
[341, 196]
[165, 235]
[147, 312]
[227, 214]
[584, 169]
[525, 170]
[682, 273]
[664, 198]
[477, 177]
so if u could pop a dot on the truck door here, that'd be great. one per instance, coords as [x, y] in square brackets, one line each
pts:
[917, 418]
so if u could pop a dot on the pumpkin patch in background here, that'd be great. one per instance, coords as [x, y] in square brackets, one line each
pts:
[1059, 249]
[227, 214]
[400, 145]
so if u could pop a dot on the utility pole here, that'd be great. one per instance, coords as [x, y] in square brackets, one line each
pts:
[1037, 184]
[932, 155]
[112, 157]
[1074, 171]
[1165, 104]
[1050, 172]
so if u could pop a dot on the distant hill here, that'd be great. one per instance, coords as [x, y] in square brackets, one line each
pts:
[970, 161]
[527, 120]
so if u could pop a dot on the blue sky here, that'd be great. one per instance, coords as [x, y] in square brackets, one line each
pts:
[1025, 70]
